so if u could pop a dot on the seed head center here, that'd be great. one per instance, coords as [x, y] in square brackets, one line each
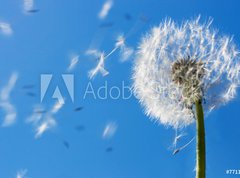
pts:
[188, 73]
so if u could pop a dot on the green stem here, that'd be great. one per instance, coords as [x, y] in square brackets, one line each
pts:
[201, 154]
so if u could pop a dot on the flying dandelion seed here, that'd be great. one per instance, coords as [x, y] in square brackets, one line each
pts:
[109, 130]
[5, 103]
[21, 173]
[100, 65]
[99, 68]
[105, 9]
[47, 124]
[177, 150]
[43, 120]
[6, 29]
[48, 121]
[177, 138]
[178, 67]
[28, 7]
[73, 63]
[125, 52]
[37, 115]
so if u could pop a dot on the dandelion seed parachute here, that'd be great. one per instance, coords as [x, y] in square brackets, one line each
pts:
[6, 28]
[164, 46]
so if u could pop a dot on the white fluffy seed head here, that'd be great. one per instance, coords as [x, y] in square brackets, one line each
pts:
[154, 82]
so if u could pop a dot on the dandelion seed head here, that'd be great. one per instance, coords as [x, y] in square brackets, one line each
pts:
[179, 64]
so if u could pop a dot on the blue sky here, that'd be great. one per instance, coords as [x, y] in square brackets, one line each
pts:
[43, 42]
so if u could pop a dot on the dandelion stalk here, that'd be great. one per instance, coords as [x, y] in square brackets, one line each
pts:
[201, 154]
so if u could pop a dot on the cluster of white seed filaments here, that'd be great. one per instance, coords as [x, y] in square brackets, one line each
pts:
[211, 72]
[187, 74]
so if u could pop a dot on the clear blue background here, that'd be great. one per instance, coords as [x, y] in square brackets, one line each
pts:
[43, 42]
